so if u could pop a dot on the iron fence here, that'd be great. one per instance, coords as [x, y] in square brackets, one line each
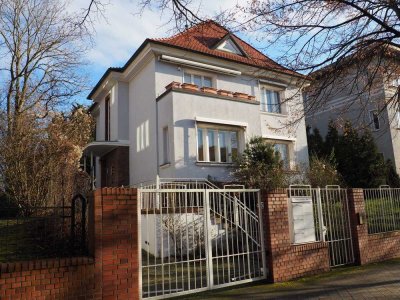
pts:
[328, 220]
[43, 232]
[382, 206]
[198, 239]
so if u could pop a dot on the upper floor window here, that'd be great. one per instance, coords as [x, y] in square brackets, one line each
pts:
[374, 118]
[271, 101]
[216, 145]
[107, 120]
[199, 80]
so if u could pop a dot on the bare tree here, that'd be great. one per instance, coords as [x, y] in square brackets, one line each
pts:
[357, 39]
[39, 162]
[41, 50]
[42, 46]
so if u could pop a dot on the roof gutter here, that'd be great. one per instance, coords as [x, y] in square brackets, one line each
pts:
[199, 65]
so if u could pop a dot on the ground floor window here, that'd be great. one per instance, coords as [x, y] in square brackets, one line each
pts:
[284, 149]
[216, 144]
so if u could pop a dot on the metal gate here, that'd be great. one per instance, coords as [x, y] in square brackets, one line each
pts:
[331, 220]
[335, 209]
[196, 239]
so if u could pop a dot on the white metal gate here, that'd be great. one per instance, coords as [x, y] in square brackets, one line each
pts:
[335, 208]
[331, 220]
[197, 239]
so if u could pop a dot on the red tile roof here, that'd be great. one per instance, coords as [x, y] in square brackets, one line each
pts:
[205, 36]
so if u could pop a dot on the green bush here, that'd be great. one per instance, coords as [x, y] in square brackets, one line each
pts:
[260, 166]
[356, 156]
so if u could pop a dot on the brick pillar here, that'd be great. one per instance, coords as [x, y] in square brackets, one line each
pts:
[286, 261]
[116, 245]
[359, 231]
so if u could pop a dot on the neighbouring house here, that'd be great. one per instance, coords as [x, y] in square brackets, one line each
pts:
[184, 106]
[364, 93]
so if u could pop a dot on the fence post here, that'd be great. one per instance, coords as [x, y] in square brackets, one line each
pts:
[359, 231]
[117, 242]
[286, 260]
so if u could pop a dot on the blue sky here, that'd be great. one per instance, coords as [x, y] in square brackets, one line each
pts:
[121, 31]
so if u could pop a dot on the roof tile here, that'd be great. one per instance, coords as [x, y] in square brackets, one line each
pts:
[204, 36]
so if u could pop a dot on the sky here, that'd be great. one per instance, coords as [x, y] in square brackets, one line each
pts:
[121, 30]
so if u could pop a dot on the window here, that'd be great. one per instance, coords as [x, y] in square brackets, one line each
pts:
[229, 46]
[374, 118]
[283, 151]
[165, 145]
[199, 80]
[270, 101]
[216, 145]
[107, 119]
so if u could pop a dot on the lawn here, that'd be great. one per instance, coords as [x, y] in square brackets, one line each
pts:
[383, 215]
[30, 238]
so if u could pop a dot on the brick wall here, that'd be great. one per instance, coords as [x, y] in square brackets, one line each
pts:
[370, 248]
[285, 260]
[112, 273]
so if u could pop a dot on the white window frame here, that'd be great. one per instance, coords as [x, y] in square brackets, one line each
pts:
[290, 150]
[227, 42]
[201, 74]
[280, 91]
[217, 129]
[371, 119]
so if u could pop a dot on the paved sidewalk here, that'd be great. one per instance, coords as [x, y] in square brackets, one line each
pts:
[376, 281]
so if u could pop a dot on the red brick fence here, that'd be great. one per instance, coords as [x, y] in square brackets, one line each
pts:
[112, 271]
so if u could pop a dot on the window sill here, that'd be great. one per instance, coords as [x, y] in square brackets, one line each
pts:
[166, 165]
[273, 114]
[213, 164]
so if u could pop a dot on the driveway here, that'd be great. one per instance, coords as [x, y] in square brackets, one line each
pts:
[375, 281]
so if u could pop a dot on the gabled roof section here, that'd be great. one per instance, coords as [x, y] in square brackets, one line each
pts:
[206, 37]
[228, 44]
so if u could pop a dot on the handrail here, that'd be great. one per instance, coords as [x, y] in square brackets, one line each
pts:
[221, 216]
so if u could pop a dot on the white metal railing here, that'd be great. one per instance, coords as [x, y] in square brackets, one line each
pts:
[199, 239]
[335, 208]
[382, 206]
[181, 183]
[331, 219]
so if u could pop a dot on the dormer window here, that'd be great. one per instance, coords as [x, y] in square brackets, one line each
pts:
[228, 44]
[199, 80]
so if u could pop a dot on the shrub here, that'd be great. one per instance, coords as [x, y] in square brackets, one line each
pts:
[260, 166]
[322, 172]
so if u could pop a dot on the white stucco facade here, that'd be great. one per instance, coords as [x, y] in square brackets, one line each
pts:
[143, 112]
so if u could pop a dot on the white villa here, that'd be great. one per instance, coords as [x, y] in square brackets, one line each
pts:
[183, 106]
